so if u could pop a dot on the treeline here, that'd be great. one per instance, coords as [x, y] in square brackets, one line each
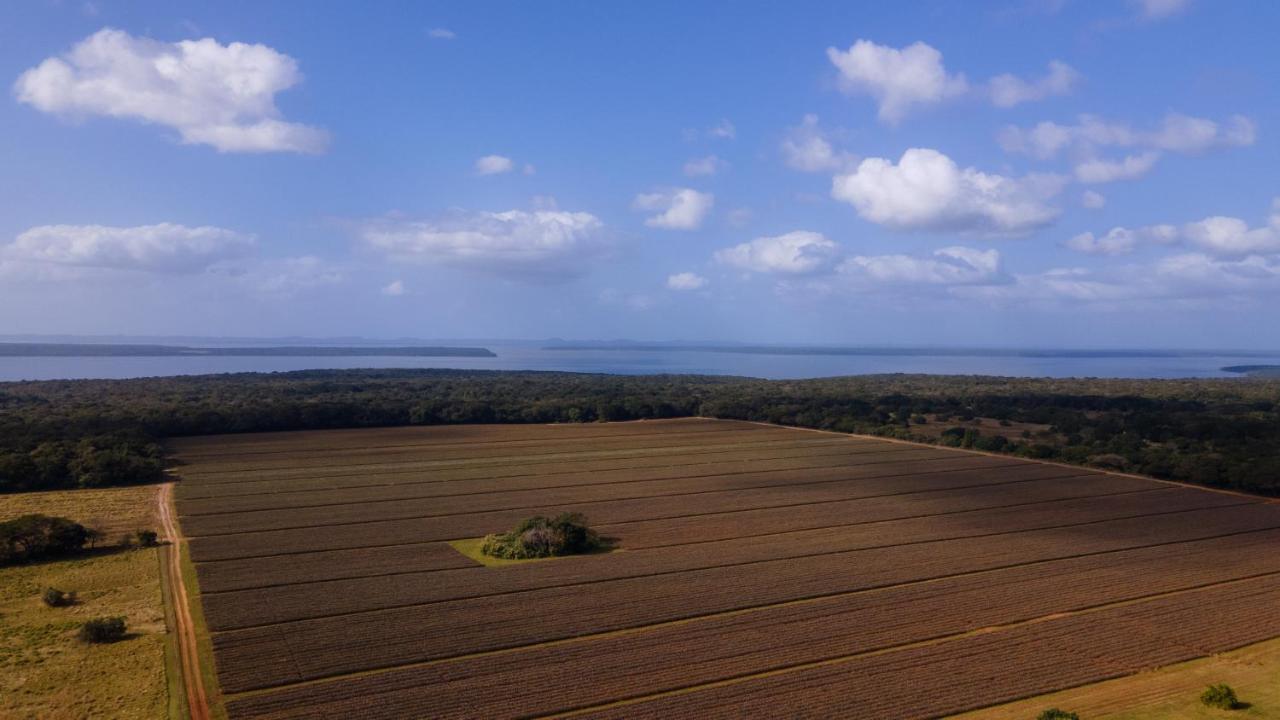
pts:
[92, 433]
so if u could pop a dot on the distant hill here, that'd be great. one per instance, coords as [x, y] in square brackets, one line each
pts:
[97, 350]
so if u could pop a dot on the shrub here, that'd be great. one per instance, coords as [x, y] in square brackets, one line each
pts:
[1056, 714]
[538, 537]
[1220, 696]
[54, 597]
[32, 537]
[103, 630]
[147, 538]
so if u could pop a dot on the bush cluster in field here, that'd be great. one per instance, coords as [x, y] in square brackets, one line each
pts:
[1220, 696]
[540, 537]
[93, 433]
[1056, 714]
[103, 630]
[41, 537]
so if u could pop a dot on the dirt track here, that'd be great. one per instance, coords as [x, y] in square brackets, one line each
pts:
[188, 652]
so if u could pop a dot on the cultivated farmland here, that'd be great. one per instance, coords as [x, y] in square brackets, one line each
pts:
[760, 572]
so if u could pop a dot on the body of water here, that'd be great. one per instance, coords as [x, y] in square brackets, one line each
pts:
[632, 362]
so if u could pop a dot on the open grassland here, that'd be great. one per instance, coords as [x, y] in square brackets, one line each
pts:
[759, 572]
[45, 672]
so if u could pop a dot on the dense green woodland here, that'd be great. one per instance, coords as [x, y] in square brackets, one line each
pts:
[91, 433]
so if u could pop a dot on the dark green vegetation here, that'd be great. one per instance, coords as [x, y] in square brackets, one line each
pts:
[1056, 714]
[94, 350]
[1220, 696]
[1258, 370]
[103, 630]
[541, 537]
[53, 597]
[40, 537]
[1224, 433]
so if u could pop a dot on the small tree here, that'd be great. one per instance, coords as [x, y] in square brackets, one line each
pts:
[54, 597]
[103, 630]
[1220, 696]
[147, 538]
[1056, 714]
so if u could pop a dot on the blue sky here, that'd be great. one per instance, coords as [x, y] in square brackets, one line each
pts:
[1081, 174]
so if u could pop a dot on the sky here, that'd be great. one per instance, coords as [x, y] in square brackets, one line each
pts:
[1033, 173]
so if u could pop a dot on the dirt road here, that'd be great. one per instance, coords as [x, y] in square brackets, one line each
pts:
[192, 680]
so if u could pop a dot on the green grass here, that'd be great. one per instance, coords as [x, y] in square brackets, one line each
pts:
[208, 671]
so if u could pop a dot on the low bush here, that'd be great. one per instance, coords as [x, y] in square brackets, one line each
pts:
[147, 538]
[1220, 696]
[1056, 714]
[103, 630]
[539, 537]
[35, 537]
[54, 597]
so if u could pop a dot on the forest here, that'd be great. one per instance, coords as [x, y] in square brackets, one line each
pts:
[94, 433]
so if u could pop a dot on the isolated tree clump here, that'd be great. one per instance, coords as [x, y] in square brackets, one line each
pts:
[103, 630]
[540, 537]
[35, 537]
[54, 597]
[1220, 696]
[1056, 714]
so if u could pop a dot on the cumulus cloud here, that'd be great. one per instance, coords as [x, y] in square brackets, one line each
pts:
[677, 208]
[796, 253]
[926, 190]
[441, 34]
[1233, 236]
[898, 79]
[494, 165]
[541, 245]
[1118, 241]
[1093, 200]
[1176, 133]
[698, 167]
[395, 288]
[807, 148]
[1098, 170]
[1009, 90]
[212, 94]
[162, 248]
[686, 281]
[949, 266]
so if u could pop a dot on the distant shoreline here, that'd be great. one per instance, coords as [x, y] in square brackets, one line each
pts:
[1254, 370]
[907, 351]
[96, 350]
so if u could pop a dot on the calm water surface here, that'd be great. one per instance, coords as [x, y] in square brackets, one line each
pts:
[644, 362]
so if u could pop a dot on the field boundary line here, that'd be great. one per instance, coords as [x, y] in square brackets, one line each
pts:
[653, 497]
[192, 680]
[970, 451]
[656, 548]
[540, 487]
[941, 640]
[393, 608]
[640, 629]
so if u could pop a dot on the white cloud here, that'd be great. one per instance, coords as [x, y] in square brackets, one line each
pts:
[798, 252]
[288, 276]
[686, 281]
[1093, 200]
[1176, 133]
[724, 131]
[948, 266]
[677, 208]
[1009, 90]
[441, 34]
[807, 148]
[897, 79]
[708, 165]
[926, 190]
[162, 248]
[213, 94]
[395, 288]
[539, 245]
[1233, 236]
[1160, 9]
[1098, 170]
[494, 165]
[1118, 241]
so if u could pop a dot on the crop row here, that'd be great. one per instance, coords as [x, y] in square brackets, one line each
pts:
[459, 504]
[972, 672]
[657, 659]
[336, 476]
[212, 447]
[824, 527]
[207, 471]
[371, 640]
[821, 486]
